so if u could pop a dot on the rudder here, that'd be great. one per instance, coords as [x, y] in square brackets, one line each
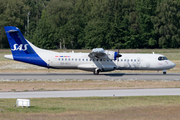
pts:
[17, 42]
[21, 48]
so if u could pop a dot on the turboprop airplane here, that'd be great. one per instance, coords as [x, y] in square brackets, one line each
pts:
[99, 60]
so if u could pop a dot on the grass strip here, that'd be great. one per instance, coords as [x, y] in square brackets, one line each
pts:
[158, 107]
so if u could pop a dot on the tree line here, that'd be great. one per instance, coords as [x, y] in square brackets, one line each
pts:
[87, 24]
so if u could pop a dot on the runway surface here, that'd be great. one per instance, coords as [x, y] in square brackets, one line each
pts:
[92, 93]
[89, 76]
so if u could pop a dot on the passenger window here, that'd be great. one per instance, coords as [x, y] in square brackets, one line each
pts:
[96, 59]
[131, 60]
[82, 59]
[121, 60]
[72, 59]
[79, 59]
[100, 59]
[69, 59]
[65, 59]
[76, 59]
[62, 59]
[134, 60]
[124, 60]
[86, 59]
[59, 59]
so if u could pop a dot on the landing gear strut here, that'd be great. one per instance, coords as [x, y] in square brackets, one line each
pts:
[96, 71]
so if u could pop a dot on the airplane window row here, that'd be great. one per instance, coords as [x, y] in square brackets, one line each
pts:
[76, 59]
[129, 60]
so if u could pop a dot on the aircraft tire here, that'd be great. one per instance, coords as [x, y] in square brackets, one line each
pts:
[96, 72]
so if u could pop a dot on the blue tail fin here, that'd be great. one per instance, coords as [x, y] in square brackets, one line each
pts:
[17, 42]
[21, 49]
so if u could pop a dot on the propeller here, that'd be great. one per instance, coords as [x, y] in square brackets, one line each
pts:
[118, 55]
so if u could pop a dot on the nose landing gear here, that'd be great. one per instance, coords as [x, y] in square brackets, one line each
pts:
[164, 72]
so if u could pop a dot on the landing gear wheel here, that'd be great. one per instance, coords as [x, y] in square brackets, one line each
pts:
[164, 73]
[96, 72]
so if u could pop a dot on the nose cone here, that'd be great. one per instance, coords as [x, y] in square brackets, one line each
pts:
[172, 65]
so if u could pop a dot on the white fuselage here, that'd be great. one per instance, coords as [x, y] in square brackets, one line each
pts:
[126, 62]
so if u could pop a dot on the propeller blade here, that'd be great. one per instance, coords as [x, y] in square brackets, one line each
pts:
[118, 55]
[118, 48]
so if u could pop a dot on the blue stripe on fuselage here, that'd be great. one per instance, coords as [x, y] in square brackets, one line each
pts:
[30, 58]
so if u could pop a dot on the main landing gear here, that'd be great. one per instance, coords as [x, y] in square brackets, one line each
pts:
[96, 71]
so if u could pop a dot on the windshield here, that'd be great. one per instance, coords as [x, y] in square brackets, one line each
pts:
[162, 58]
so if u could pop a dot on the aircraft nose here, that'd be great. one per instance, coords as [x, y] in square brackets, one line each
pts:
[173, 64]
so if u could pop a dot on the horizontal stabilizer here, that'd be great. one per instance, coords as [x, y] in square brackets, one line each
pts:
[12, 31]
[8, 57]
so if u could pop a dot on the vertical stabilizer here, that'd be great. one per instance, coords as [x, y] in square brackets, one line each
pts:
[17, 42]
[22, 49]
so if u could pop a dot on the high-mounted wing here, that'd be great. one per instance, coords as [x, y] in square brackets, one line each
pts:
[100, 53]
[97, 53]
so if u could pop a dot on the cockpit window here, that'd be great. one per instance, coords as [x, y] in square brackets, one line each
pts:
[162, 58]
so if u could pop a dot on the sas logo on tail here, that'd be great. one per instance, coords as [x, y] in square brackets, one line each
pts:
[20, 47]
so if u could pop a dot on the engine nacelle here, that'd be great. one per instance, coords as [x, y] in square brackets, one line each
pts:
[111, 54]
[98, 50]
[104, 54]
